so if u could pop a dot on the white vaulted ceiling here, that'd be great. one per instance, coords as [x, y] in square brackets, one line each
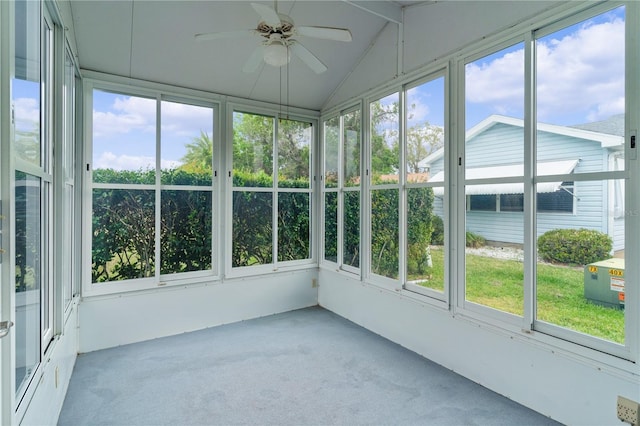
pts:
[154, 41]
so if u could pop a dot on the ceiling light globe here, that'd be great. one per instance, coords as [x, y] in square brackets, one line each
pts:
[276, 54]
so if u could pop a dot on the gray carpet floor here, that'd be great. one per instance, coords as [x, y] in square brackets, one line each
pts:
[306, 367]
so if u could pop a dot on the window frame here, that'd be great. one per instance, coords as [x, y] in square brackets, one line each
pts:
[158, 95]
[275, 265]
[549, 333]
[341, 189]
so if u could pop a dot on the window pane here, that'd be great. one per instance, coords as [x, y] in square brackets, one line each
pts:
[124, 138]
[425, 240]
[580, 87]
[252, 239]
[187, 144]
[511, 202]
[294, 143]
[494, 149]
[331, 152]
[123, 245]
[331, 226]
[482, 202]
[384, 232]
[294, 233]
[425, 132]
[580, 272]
[385, 149]
[351, 128]
[559, 201]
[185, 231]
[252, 150]
[28, 285]
[351, 229]
[26, 84]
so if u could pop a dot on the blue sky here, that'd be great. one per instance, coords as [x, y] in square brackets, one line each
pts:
[580, 78]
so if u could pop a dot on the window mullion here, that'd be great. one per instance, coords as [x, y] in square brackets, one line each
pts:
[158, 192]
[530, 192]
[274, 203]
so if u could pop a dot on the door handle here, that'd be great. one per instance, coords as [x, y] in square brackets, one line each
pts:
[4, 328]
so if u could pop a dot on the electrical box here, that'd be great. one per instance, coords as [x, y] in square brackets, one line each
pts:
[604, 283]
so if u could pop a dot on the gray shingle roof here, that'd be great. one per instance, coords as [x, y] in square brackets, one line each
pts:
[613, 125]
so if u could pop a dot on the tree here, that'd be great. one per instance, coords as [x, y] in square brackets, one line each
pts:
[422, 140]
[199, 156]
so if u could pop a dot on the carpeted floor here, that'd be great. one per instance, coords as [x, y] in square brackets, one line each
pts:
[306, 367]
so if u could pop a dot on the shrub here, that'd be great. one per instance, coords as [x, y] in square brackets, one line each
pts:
[474, 240]
[437, 236]
[574, 246]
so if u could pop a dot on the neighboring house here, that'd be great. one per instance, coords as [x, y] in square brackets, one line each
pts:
[494, 148]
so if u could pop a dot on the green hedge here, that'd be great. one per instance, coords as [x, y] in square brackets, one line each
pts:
[574, 246]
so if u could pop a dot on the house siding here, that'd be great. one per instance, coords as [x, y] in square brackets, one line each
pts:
[502, 144]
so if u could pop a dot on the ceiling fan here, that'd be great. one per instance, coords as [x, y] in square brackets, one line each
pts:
[279, 40]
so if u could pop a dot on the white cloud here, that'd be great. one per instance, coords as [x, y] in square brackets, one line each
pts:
[133, 114]
[109, 160]
[27, 114]
[579, 75]
[127, 114]
[186, 120]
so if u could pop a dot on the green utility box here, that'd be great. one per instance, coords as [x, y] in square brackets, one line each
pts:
[604, 283]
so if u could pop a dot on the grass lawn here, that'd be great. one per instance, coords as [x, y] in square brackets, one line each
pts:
[497, 283]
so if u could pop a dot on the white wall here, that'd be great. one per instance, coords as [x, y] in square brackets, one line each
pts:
[568, 387]
[119, 319]
[53, 375]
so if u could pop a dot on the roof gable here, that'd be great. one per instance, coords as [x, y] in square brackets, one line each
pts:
[580, 132]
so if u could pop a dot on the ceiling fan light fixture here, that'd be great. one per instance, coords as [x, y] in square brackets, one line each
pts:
[277, 54]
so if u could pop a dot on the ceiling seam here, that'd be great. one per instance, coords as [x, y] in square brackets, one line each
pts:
[360, 59]
[131, 39]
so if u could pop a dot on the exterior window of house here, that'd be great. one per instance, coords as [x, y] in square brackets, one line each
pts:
[570, 57]
[152, 204]
[494, 158]
[482, 202]
[560, 201]
[385, 185]
[271, 209]
[511, 202]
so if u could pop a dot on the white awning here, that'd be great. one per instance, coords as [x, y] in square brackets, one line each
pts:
[548, 168]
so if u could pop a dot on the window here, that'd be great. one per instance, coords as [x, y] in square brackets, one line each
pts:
[271, 210]
[67, 241]
[28, 191]
[580, 82]
[560, 201]
[385, 185]
[341, 190]
[494, 157]
[482, 202]
[152, 204]
[424, 158]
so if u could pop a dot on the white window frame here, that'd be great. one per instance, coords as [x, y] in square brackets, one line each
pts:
[158, 94]
[275, 265]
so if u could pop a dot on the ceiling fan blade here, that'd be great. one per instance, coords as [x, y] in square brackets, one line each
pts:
[254, 60]
[326, 33]
[225, 34]
[267, 15]
[308, 58]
